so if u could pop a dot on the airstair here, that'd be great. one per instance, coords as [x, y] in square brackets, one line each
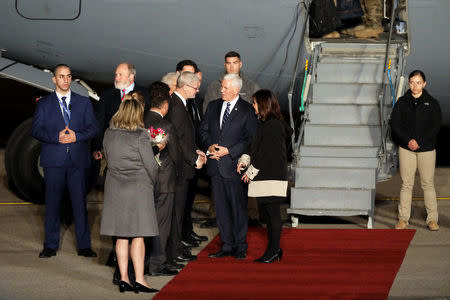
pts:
[344, 147]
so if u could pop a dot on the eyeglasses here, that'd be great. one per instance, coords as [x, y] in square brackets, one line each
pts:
[195, 88]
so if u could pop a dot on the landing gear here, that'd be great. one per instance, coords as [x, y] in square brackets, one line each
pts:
[22, 164]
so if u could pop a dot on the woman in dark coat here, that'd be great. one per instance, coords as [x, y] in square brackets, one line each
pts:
[129, 209]
[266, 165]
[415, 122]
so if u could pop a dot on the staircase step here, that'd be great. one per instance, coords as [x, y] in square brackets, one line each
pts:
[333, 151]
[350, 73]
[335, 178]
[338, 162]
[357, 49]
[342, 135]
[344, 114]
[348, 93]
[338, 199]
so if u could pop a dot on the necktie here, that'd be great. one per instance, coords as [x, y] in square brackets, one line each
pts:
[65, 111]
[226, 114]
[192, 108]
[123, 94]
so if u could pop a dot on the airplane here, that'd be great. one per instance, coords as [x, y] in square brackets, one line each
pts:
[92, 37]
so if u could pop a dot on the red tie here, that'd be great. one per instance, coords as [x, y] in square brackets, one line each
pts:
[123, 94]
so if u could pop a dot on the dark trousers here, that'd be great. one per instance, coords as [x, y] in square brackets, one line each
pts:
[269, 209]
[164, 212]
[231, 212]
[187, 227]
[174, 246]
[56, 180]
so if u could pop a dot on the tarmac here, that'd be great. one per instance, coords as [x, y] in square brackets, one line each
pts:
[424, 274]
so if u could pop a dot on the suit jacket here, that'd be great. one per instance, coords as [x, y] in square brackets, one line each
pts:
[178, 115]
[107, 106]
[236, 135]
[169, 155]
[48, 121]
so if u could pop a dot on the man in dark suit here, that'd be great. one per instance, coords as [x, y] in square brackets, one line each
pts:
[64, 122]
[165, 186]
[191, 157]
[188, 236]
[110, 100]
[227, 129]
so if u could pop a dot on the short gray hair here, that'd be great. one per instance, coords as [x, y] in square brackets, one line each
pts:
[187, 78]
[235, 80]
[170, 78]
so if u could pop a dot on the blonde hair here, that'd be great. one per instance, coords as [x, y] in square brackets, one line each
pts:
[131, 112]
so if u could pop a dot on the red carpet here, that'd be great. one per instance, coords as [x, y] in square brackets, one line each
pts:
[317, 264]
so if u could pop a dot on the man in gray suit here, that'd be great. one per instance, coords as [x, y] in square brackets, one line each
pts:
[165, 186]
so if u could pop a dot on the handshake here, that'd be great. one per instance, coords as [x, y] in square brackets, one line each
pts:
[201, 160]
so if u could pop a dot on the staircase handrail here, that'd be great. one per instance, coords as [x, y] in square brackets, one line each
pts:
[382, 91]
[305, 10]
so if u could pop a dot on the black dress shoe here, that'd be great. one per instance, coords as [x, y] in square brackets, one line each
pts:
[125, 287]
[174, 265]
[190, 244]
[210, 223]
[47, 253]
[87, 252]
[270, 258]
[142, 288]
[220, 254]
[164, 272]
[240, 255]
[198, 238]
[185, 257]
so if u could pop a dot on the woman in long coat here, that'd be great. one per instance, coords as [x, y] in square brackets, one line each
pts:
[129, 209]
[266, 166]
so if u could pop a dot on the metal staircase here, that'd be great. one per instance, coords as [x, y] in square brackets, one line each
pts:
[343, 147]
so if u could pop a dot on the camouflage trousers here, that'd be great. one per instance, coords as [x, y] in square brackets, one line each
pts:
[373, 13]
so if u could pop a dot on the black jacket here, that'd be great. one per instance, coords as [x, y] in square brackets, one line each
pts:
[418, 119]
[107, 106]
[268, 151]
[169, 155]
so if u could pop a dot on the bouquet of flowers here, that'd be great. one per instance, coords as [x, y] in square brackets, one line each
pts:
[157, 136]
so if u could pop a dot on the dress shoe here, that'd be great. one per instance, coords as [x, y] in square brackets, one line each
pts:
[185, 257]
[198, 238]
[401, 225]
[164, 272]
[47, 253]
[174, 265]
[270, 259]
[433, 226]
[210, 223]
[240, 254]
[190, 244]
[142, 288]
[220, 254]
[125, 287]
[87, 252]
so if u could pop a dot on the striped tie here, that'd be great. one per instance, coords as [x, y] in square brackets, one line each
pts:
[123, 94]
[65, 111]
[226, 114]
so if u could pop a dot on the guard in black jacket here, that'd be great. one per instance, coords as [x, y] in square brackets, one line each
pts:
[415, 123]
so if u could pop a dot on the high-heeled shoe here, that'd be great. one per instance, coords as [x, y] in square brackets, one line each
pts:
[275, 257]
[142, 288]
[125, 287]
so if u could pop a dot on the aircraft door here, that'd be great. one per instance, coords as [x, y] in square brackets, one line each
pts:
[49, 9]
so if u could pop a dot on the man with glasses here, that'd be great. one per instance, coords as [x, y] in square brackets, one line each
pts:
[192, 158]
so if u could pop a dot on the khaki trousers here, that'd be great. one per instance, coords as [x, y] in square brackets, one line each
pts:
[425, 162]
